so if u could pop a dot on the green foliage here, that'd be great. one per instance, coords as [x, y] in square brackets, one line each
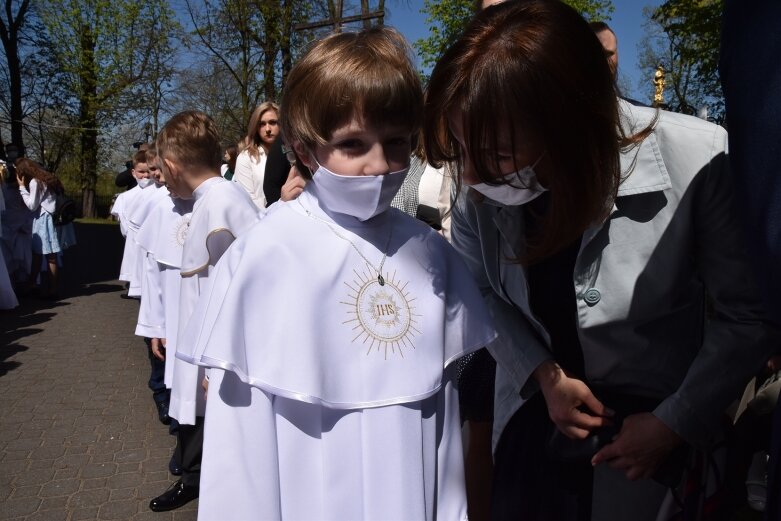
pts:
[685, 38]
[448, 18]
[103, 49]
[252, 45]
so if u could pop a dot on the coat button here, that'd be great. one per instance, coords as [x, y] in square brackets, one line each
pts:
[592, 296]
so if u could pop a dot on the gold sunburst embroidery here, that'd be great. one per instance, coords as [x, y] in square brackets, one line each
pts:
[382, 316]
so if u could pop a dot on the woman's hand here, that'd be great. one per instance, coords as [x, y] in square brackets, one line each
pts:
[19, 179]
[641, 446]
[571, 404]
[293, 186]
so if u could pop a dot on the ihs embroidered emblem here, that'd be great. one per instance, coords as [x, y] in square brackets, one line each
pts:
[180, 230]
[381, 316]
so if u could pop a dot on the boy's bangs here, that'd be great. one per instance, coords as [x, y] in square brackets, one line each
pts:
[381, 96]
[390, 98]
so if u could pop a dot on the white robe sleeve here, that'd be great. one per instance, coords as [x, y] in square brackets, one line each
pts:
[151, 314]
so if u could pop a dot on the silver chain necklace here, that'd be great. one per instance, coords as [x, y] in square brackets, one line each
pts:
[380, 278]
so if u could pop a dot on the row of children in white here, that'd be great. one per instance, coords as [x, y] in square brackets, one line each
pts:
[331, 325]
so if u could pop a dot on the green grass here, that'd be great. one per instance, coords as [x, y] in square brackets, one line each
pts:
[96, 220]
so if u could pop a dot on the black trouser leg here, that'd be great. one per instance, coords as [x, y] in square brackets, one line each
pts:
[189, 449]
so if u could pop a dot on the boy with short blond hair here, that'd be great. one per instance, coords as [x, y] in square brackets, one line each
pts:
[190, 156]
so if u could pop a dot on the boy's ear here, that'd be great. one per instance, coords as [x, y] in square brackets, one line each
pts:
[303, 155]
[171, 166]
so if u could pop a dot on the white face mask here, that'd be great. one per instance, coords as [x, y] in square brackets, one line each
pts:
[143, 183]
[362, 196]
[518, 188]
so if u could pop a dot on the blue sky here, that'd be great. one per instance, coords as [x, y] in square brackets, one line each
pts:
[627, 22]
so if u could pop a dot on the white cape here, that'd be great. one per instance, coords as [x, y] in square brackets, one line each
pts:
[350, 411]
[221, 212]
[122, 206]
[162, 236]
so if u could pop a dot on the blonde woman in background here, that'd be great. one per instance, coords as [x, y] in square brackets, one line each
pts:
[262, 130]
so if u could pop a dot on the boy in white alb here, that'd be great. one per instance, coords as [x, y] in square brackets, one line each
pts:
[331, 393]
[161, 238]
[122, 209]
[190, 154]
[141, 209]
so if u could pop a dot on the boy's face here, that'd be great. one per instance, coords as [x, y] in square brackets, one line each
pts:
[268, 128]
[356, 149]
[141, 171]
[154, 170]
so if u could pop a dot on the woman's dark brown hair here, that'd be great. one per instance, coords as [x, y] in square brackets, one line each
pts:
[534, 73]
[28, 170]
[233, 153]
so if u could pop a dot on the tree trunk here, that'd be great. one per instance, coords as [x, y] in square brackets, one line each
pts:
[15, 81]
[89, 159]
[88, 121]
[10, 38]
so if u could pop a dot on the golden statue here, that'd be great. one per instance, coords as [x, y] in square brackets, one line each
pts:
[659, 84]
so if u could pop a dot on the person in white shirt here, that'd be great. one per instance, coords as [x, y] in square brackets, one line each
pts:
[39, 190]
[262, 130]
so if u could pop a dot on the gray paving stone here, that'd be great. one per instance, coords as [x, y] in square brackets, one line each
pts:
[64, 487]
[54, 503]
[88, 446]
[124, 509]
[34, 477]
[89, 498]
[122, 493]
[98, 470]
[19, 507]
[81, 514]
[27, 491]
[49, 515]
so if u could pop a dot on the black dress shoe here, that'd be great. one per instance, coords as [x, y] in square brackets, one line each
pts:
[177, 496]
[173, 466]
[162, 412]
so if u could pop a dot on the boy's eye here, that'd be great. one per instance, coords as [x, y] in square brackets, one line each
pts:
[349, 144]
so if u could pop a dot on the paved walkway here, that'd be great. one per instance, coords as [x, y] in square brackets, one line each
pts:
[79, 435]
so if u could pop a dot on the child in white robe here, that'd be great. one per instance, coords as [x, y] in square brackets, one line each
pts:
[123, 208]
[142, 208]
[332, 326]
[162, 237]
[190, 154]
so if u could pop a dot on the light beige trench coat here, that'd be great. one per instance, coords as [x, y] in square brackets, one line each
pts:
[640, 280]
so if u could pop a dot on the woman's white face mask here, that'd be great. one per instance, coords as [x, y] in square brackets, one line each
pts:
[518, 188]
[362, 197]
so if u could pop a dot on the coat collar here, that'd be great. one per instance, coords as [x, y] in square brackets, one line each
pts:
[642, 166]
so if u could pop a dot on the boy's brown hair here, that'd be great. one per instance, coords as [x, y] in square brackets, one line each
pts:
[139, 157]
[369, 73]
[191, 139]
[151, 153]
